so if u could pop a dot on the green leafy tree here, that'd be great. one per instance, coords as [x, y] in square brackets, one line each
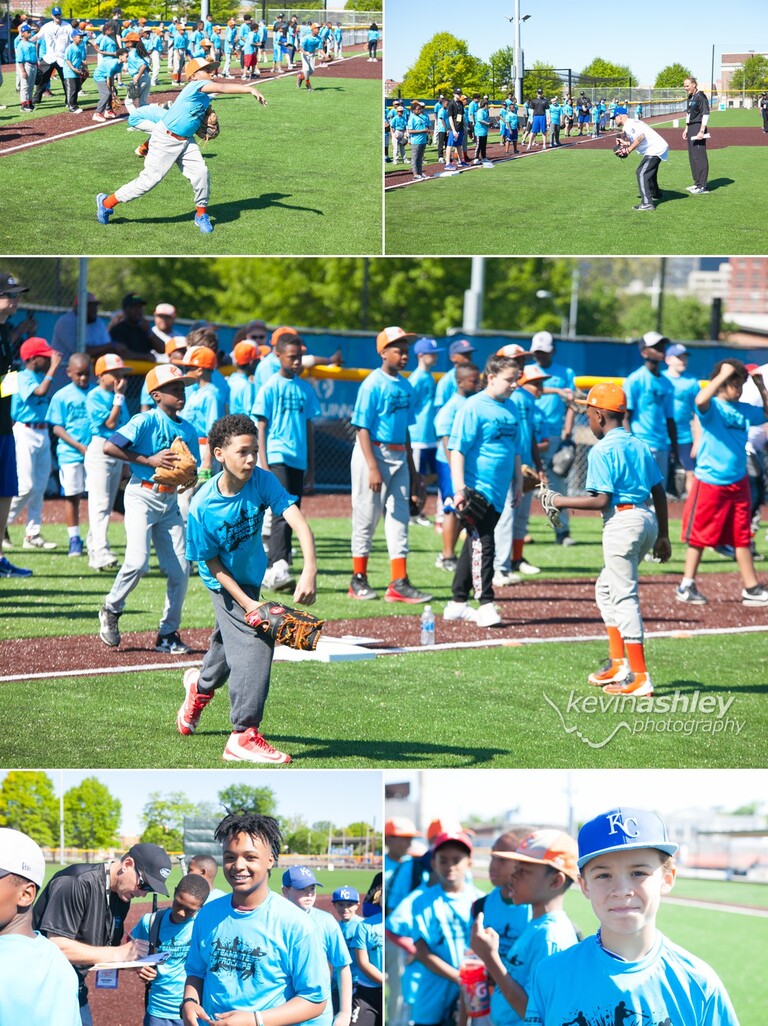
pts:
[306, 841]
[163, 817]
[443, 63]
[601, 70]
[249, 798]
[28, 803]
[91, 815]
[169, 839]
[498, 71]
[672, 77]
[359, 829]
[363, 5]
[753, 76]
[541, 76]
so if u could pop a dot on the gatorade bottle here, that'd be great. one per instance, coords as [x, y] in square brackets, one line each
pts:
[427, 626]
[474, 989]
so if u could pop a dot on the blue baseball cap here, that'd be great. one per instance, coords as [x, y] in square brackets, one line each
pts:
[299, 877]
[677, 349]
[25, 28]
[56, 11]
[623, 829]
[461, 346]
[620, 110]
[427, 345]
[345, 894]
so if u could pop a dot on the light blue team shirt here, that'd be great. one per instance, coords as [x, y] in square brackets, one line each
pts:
[338, 34]
[722, 457]
[373, 36]
[37, 983]
[370, 938]
[106, 47]
[336, 952]
[400, 922]
[482, 121]
[256, 960]
[472, 108]
[542, 937]
[443, 921]
[525, 408]
[555, 113]
[553, 407]
[266, 368]
[418, 128]
[442, 117]
[311, 44]
[99, 403]
[586, 984]
[424, 388]
[148, 433]
[229, 527]
[136, 63]
[512, 119]
[446, 386]
[188, 110]
[348, 930]
[26, 407]
[385, 406]
[67, 409]
[509, 921]
[287, 405]
[686, 388]
[242, 393]
[488, 433]
[74, 55]
[26, 51]
[150, 112]
[203, 408]
[167, 988]
[399, 122]
[400, 883]
[444, 422]
[623, 466]
[651, 400]
[107, 69]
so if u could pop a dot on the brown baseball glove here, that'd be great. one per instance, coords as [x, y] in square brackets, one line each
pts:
[531, 478]
[184, 472]
[209, 126]
[286, 626]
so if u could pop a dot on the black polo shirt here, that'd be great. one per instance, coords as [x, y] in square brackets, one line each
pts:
[6, 363]
[132, 336]
[539, 106]
[78, 904]
[456, 111]
[698, 106]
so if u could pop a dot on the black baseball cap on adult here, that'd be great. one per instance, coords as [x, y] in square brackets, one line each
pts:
[10, 286]
[153, 864]
[133, 299]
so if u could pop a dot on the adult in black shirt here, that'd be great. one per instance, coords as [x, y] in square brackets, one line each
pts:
[456, 126]
[763, 104]
[82, 909]
[130, 330]
[696, 119]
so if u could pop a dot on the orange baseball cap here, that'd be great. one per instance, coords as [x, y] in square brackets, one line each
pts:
[175, 343]
[199, 64]
[534, 373]
[201, 356]
[279, 332]
[131, 37]
[400, 826]
[513, 351]
[163, 374]
[606, 395]
[388, 337]
[245, 352]
[109, 363]
[548, 847]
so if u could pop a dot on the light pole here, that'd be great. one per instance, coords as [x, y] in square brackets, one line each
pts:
[518, 51]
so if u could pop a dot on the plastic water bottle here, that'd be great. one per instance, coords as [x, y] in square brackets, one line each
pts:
[474, 989]
[427, 626]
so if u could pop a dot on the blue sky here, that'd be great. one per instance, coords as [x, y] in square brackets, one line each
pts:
[646, 36]
[342, 796]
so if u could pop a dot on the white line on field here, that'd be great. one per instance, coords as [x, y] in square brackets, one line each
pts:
[713, 906]
[443, 647]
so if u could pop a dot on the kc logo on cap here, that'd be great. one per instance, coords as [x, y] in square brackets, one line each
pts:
[628, 827]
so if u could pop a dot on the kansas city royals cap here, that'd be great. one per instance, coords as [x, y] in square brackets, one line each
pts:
[300, 877]
[153, 864]
[10, 286]
[620, 110]
[676, 349]
[345, 894]
[462, 345]
[25, 28]
[623, 829]
[543, 342]
[548, 847]
[56, 11]
[22, 856]
[427, 345]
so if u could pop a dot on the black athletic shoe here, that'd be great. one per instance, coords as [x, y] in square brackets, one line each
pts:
[359, 588]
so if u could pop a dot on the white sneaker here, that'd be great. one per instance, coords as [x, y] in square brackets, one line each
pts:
[458, 611]
[36, 541]
[504, 578]
[280, 577]
[251, 746]
[526, 568]
[487, 615]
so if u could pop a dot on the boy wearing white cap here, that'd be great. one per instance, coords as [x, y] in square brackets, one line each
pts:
[627, 971]
[37, 983]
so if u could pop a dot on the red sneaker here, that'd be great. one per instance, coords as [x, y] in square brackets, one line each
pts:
[403, 591]
[188, 716]
[250, 746]
[613, 671]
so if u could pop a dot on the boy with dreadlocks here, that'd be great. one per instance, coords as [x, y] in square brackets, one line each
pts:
[253, 954]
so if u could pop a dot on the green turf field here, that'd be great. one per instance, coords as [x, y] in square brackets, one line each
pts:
[282, 181]
[580, 200]
[724, 119]
[453, 709]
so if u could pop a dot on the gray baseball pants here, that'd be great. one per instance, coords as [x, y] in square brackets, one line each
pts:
[627, 536]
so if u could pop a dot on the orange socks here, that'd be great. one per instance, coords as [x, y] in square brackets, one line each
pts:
[360, 565]
[398, 569]
[111, 201]
[615, 644]
[201, 210]
[636, 657]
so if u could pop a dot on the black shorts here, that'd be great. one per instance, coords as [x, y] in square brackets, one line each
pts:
[366, 1006]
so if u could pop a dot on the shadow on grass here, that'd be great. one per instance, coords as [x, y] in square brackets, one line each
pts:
[226, 212]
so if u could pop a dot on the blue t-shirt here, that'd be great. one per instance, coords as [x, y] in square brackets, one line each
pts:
[487, 432]
[623, 466]
[167, 989]
[266, 368]
[650, 397]
[26, 407]
[37, 983]
[136, 63]
[686, 388]
[418, 128]
[188, 110]
[586, 984]
[99, 404]
[242, 392]
[443, 921]
[424, 388]
[370, 938]
[67, 409]
[74, 55]
[722, 457]
[26, 51]
[444, 422]
[400, 922]
[553, 407]
[525, 407]
[107, 69]
[385, 406]
[258, 959]
[482, 121]
[203, 407]
[348, 930]
[287, 405]
[229, 527]
[148, 433]
[446, 386]
[336, 952]
[555, 113]
[311, 44]
[542, 937]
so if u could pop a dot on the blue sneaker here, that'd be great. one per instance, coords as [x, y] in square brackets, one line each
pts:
[9, 570]
[102, 213]
[203, 222]
[75, 547]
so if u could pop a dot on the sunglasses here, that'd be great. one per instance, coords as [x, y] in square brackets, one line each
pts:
[143, 885]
